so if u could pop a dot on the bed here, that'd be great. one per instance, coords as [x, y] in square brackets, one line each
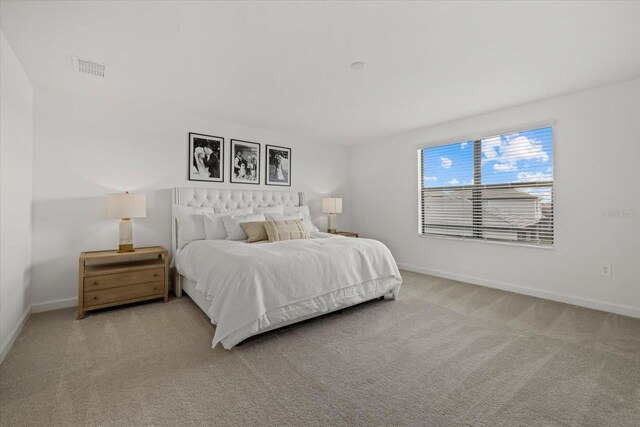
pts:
[251, 288]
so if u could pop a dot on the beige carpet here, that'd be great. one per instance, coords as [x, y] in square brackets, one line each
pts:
[445, 353]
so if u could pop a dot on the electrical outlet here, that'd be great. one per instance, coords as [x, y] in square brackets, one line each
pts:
[605, 269]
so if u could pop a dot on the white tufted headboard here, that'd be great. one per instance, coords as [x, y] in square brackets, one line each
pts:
[229, 199]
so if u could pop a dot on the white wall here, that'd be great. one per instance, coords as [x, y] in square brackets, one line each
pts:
[16, 166]
[597, 158]
[88, 147]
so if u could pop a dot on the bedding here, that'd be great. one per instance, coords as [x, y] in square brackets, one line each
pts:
[306, 216]
[255, 287]
[278, 231]
[283, 217]
[190, 224]
[255, 231]
[232, 225]
[214, 228]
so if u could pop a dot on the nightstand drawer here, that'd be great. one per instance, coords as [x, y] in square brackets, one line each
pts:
[94, 283]
[122, 293]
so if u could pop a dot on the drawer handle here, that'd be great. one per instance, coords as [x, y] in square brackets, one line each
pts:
[155, 274]
[95, 283]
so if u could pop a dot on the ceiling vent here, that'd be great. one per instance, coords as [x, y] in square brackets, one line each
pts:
[85, 66]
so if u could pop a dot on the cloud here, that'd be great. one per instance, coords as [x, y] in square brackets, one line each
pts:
[523, 148]
[463, 145]
[513, 149]
[430, 178]
[445, 162]
[454, 181]
[504, 167]
[490, 146]
[534, 176]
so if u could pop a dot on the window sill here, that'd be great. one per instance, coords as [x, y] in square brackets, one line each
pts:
[493, 242]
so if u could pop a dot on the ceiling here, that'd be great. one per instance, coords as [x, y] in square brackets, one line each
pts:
[284, 66]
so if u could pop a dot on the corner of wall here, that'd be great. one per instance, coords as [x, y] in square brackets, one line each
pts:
[16, 223]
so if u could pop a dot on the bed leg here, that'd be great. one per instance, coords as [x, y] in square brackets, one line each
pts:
[177, 285]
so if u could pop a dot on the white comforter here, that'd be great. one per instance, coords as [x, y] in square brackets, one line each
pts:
[253, 287]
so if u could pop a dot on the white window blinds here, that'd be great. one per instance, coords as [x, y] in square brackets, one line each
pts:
[497, 188]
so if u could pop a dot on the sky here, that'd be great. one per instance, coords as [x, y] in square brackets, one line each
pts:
[517, 157]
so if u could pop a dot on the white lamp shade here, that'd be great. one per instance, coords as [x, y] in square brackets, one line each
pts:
[126, 205]
[332, 205]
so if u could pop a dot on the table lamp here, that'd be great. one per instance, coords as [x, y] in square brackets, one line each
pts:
[126, 206]
[331, 206]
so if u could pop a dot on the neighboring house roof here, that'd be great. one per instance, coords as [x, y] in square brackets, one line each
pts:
[506, 193]
[487, 193]
[493, 216]
[500, 218]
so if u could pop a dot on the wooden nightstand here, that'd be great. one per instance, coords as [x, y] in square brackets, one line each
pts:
[347, 234]
[109, 278]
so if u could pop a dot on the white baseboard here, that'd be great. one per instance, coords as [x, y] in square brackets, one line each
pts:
[8, 343]
[34, 308]
[54, 305]
[554, 296]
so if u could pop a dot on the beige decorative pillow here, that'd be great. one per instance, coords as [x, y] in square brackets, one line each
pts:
[286, 230]
[255, 231]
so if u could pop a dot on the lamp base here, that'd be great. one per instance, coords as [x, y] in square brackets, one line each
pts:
[126, 235]
[331, 221]
[126, 248]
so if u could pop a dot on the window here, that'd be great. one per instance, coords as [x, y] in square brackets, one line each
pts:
[498, 188]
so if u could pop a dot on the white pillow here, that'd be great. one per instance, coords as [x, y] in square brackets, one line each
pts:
[306, 216]
[283, 217]
[279, 209]
[239, 211]
[190, 224]
[214, 227]
[232, 225]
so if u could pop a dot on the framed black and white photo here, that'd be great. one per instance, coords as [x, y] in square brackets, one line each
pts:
[206, 158]
[278, 170]
[245, 162]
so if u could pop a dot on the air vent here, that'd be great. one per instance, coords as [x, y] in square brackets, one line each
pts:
[85, 66]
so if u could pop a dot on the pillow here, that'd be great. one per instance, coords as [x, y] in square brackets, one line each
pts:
[295, 209]
[269, 210]
[305, 215]
[255, 231]
[239, 211]
[283, 217]
[286, 230]
[190, 223]
[232, 225]
[214, 227]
